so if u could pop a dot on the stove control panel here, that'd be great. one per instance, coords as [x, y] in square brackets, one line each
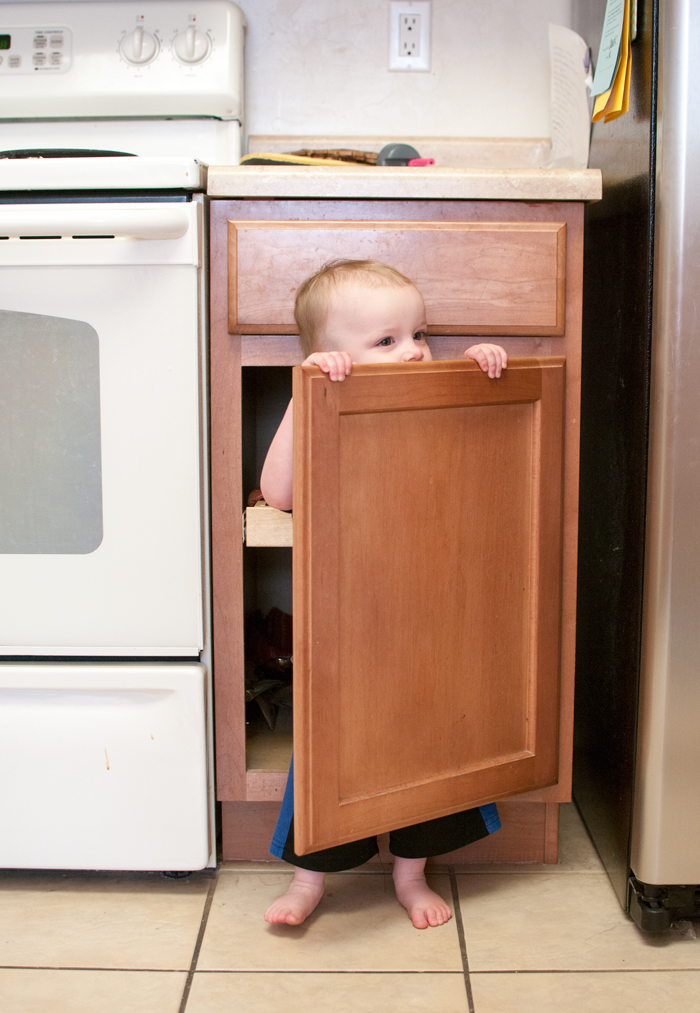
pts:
[40, 49]
[121, 58]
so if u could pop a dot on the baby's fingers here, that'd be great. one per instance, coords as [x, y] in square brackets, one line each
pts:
[491, 358]
[340, 365]
[337, 365]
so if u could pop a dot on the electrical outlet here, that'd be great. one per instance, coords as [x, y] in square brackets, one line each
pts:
[409, 34]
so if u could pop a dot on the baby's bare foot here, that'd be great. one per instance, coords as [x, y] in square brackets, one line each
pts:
[424, 906]
[302, 897]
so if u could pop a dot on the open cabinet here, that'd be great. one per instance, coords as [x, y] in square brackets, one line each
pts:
[427, 565]
[506, 607]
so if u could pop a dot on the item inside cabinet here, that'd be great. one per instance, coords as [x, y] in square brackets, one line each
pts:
[264, 525]
[268, 710]
[269, 663]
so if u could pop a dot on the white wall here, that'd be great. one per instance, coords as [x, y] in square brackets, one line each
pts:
[319, 67]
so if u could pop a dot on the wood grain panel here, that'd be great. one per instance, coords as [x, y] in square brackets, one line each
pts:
[227, 528]
[247, 829]
[417, 665]
[475, 277]
[423, 586]
[263, 785]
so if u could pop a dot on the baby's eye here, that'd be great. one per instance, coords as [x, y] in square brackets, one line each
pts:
[419, 336]
[385, 342]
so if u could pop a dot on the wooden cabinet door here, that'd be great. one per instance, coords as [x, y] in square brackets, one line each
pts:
[427, 563]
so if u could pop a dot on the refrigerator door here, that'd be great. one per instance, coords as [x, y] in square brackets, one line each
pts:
[617, 281]
[666, 823]
[103, 766]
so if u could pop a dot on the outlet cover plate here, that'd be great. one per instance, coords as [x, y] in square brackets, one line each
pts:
[398, 10]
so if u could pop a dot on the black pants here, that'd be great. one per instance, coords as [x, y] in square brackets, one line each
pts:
[422, 840]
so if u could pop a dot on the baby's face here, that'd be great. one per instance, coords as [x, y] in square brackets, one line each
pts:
[382, 324]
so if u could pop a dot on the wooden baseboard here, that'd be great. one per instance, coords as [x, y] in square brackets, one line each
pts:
[529, 833]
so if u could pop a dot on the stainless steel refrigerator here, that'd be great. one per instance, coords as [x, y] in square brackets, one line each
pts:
[637, 738]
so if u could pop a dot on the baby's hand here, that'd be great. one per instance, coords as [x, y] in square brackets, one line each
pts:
[491, 358]
[338, 365]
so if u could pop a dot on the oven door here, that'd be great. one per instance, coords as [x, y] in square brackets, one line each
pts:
[100, 531]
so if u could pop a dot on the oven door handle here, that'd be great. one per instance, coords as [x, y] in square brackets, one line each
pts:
[76, 222]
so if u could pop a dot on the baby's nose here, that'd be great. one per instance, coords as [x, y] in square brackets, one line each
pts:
[414, 354]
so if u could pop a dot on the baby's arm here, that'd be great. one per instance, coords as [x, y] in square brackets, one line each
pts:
[276, 477]
[491, 358]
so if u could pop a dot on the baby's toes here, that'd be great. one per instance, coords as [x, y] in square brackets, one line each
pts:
[439, 915]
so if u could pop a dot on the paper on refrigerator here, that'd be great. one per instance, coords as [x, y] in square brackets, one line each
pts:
[615, 101]
[570, 81]
[610, 42]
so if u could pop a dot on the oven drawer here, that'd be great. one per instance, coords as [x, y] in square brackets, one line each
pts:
[103, 766]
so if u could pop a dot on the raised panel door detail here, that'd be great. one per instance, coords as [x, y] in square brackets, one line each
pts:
[490, 278]
[427, 555]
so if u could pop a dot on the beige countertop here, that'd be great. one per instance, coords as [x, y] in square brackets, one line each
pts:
[404, 183]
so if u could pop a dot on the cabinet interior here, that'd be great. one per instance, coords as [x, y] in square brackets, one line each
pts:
[267, 571]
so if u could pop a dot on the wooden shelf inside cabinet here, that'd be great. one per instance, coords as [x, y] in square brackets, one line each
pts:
[265, 526]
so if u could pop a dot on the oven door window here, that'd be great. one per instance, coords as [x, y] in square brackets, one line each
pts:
[50, 456]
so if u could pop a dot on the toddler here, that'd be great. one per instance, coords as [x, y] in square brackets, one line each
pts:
[356, 311]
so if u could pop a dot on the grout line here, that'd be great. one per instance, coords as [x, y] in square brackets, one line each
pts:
[337, 970]
[198, 944]
[108, 970]
[331, 970]
[460, 935]
[591, 970]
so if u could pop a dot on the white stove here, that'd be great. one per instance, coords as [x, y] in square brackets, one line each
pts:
[160, 78]
[111, 112]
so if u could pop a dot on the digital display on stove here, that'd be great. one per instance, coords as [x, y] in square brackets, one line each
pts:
[5, 41]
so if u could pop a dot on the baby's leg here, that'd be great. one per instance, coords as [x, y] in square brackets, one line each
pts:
[424, 906]
[302, 897]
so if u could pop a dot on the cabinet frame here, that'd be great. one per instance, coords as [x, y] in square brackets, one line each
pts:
[229, 352]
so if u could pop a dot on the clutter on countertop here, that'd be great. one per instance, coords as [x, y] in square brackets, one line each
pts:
[342, 154]
[396, 153]
[455, 152]
[287, 158]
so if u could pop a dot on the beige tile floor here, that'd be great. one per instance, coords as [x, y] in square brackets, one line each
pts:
[536, 939]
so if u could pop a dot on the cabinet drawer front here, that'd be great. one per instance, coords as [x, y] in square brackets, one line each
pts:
[486, 278]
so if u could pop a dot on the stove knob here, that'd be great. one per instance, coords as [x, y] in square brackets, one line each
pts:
[139, 47]
[191, 46]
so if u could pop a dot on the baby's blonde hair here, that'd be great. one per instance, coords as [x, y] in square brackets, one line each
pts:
[315, 295]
